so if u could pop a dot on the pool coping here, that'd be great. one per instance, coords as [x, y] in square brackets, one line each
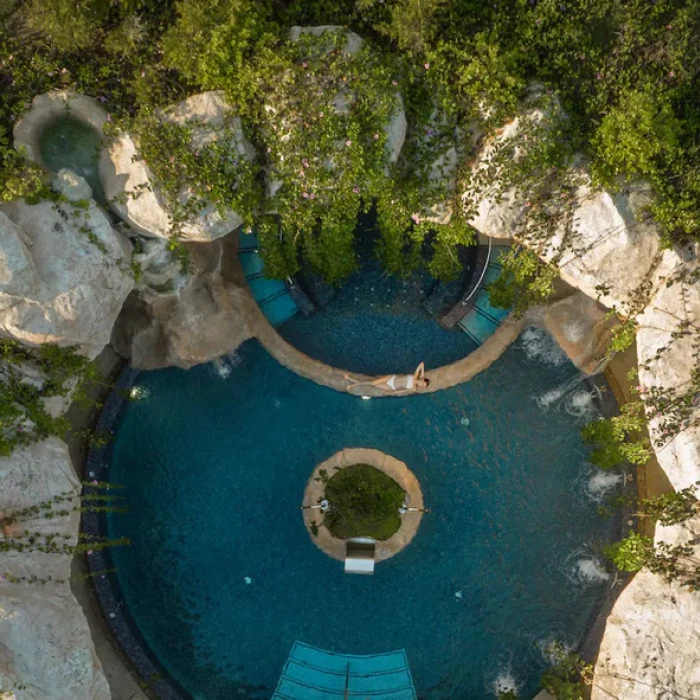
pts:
[48, 108]
[155, 679]
[335, 547]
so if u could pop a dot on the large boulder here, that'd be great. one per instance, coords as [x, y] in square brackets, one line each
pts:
[284, 117]
[129, 185]
[609, 246]
[193, 324]
[651, 645]
[64, 274]
[45, 642]
[667, 358]
[581, 327]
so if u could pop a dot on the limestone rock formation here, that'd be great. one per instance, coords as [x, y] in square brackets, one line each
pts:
[195, 324]
[45, 642]
[580, 325]
[48, 108]
[610, 247]
[64, 274]
[129, 185]
[396, 129]
[651, 646]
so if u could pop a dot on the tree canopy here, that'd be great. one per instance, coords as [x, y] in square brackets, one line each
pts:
[626, 73]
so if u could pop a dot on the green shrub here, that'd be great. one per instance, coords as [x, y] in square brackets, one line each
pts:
[364, 502]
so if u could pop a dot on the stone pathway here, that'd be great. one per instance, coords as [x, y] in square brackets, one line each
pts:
[334, 377]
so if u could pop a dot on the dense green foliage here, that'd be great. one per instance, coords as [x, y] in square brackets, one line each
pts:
[364, 502]
[569, 674]
[625, 73]
[28, 377]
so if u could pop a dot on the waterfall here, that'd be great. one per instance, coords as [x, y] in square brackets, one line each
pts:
[538, 344]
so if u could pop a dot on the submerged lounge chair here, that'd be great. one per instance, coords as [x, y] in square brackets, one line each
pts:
[359, 556]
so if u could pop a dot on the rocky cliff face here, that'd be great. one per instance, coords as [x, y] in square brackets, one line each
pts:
[196, 323]
[45, 642]
[611, 252]
[64, 272]
[129, 184]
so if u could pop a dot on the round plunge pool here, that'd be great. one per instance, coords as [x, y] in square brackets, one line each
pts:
[222, 577]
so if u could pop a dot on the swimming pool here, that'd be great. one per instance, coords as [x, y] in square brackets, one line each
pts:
[222, 577]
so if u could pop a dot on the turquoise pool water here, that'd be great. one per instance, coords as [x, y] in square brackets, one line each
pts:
[222, 577]
[71, 143]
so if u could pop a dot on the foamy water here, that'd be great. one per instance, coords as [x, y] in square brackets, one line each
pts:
[224, 364]
[581, 404]
[590, 571]
[505, 681]
[538, 344]
[553, 396]
[601, 483]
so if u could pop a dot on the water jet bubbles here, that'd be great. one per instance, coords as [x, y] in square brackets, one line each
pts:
[538, 344]
[505, 682]
[590, 570]
[601, 483]
[459, 595]
[465, 421]
[247, 580]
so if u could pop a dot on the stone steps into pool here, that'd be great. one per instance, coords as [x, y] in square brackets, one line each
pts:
[313, 674]
[272, 295]
[481, 319]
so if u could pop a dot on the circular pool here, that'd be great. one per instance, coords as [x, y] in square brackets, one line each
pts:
[69, 142]
[222, 579]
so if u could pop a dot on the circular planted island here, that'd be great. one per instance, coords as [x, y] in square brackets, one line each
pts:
[364, 493]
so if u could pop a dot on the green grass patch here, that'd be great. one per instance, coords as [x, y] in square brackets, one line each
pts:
[364, 502]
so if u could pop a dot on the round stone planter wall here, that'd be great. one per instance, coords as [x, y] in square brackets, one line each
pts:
[315, 488]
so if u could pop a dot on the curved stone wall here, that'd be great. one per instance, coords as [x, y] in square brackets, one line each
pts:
[398, 471]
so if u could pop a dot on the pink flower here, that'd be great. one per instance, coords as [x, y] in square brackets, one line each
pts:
[304, 64]
[103, 99]
[269, 150]
[671, 74]
[394, 82]
[416, 218]
[305, 195]
[348, 142]
[669, 27]
[356, 190]
[305, 163]
[109, 117]
[426, 66]
[89, 551]
[320, 114]
[599, 76]
[312, 196]
[249, 230]
[94, 483]
[376, 137]
[583, 56]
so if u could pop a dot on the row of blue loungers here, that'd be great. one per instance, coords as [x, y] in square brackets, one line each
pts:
[272, 295]
[480, 321]
[314, 674]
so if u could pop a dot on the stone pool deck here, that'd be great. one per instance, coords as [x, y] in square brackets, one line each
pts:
[334, 547]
